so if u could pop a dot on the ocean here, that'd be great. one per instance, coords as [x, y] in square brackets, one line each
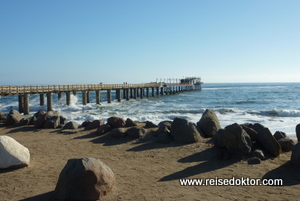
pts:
[274, 105]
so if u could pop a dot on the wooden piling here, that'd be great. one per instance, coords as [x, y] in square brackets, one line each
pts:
[68, 97]
[42, 99]
[49, 101]
[21, 103]
[84, 98]
[26, 104]
[109, 95]
[98, 97]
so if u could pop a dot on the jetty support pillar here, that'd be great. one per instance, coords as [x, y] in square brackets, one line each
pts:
[42, 99]
[109, 95]
[68, 97]
[59, 95]
[88, 96]
[26, 104]
[142, 93]
[21, 103]
[49, 101]
[84, 97]
[98, 97]
[127, 94]
[118, 95]
[135, 93]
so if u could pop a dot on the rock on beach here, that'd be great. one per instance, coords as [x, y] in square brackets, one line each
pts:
[12, 153]
[84, 179]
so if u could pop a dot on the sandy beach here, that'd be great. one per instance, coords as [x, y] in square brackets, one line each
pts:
[144, 170]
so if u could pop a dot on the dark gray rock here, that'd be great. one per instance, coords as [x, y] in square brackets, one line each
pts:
[254, 161]
[150, 124]
[298, 132]
[165, 123]
[184, 131]
[84, 179]
[3, 117]
[209, 123]
[237, 140]
[118, 133]
[116, 122]
[295, 157]
[13, 117]
[129, 123]
[105, 128]
[36, 116]
[86, 123]
[53, 116]
[94, 124]
[251, 132]
[52, 122]
[234, 139]
[258, 153]
[164, 138]
[278, 135]
[136, 132]
[71, 125]
[270, 144]
[257, 127]
[287, 144]
[219, 139]
[162, 129]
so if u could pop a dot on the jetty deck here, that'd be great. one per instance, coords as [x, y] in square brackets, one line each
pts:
[129, 91]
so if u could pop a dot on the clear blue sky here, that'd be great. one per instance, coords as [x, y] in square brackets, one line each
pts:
[109, 41]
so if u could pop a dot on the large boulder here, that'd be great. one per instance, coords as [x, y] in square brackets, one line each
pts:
[298, 132]
[129, 123]
[279, 135]
[164, 138]
[258, 153]
[84, 179]
[3, 117]
[165, 124]
[71, 125]
[286, 144]
[251, 132]
[13, 117]
[295, 157]
[116, 122]
[86, 123]
[150, 124]
[94, 124]
[51, 122]
[184, 131]
[209, 123]
[105, 128]
[257, 127]
[119, 133]
[234, 139]
[267, 140]
[36, 116]
[52, 116]
[136, 132]
[12, 153]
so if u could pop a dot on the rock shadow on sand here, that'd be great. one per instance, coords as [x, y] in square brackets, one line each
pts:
[288, 172]
[45, 197]
[108, 140]
[209, 159]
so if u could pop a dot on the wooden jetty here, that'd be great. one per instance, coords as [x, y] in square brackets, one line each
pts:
[172, 86]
